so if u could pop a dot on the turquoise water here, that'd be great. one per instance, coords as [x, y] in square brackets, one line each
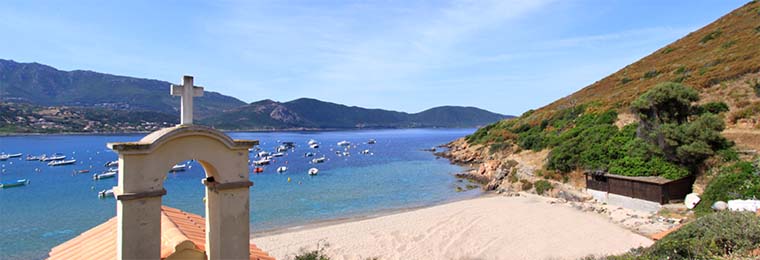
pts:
[58, 205]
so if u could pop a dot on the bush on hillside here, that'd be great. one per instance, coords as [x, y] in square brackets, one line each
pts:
[542, 186]
[740, 180]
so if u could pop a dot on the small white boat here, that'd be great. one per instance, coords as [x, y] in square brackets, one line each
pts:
[278, 154]
[16, 183]
[112, 164]
[105, 175]
[14, 155]
[4, 157]
[53, 158]
[105, 193]
[34, 158]
[263, 161]
[364, 152]
[263, 154]
[312, 141]
[282, 169]
[288, 145]
[319, 160]
[61, 162]
[371, 141]
[179, 168]
[346, 154]
[282, 148]
[313, 171]
[314, 146]
[344, 143]
[309, 154]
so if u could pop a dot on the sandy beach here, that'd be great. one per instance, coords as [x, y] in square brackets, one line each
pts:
[489, 227]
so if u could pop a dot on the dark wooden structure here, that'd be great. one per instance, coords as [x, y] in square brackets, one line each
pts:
[656, 189]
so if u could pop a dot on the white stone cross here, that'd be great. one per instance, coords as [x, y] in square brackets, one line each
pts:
[187, 91]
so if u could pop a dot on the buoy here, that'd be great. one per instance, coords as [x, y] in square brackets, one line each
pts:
[288, 179]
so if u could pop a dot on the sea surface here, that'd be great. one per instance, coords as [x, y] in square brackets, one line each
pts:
[397, 174]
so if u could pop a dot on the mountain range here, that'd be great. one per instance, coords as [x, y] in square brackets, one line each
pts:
[37, 86]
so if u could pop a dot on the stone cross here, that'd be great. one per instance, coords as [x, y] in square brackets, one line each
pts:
[187, 91]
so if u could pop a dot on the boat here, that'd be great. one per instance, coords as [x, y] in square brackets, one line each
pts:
[313, 171]
[346, 154]
[371, 141]
[282, 148]
[4, 157]
[61, 162]
[16, 183]
[179, 168]
[82, 171]
[319, 160]
[105, 193]
[288, 145]
[282, 169]
[263, 154]
[309, 154]
[278, 154]
[263, 161]
[112, 164]
[105, 175]
[314, 146]
[54, 157]
[258, 169]
[344, 143]
[364, 152]
[34, 158]
[431, 149]
[312, 141]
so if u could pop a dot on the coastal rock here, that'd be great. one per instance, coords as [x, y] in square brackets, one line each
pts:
[719, 206]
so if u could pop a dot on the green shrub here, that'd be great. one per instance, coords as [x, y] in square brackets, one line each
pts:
[526, 185]
[625, 80]
[496, 147]
[711, 36]
[724, 234]
[651, 74]
[312, 255]
[542, 186]
[735, 181]
[713, 107]
[728, 44]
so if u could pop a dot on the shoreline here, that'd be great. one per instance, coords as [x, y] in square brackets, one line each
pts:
[489, 226]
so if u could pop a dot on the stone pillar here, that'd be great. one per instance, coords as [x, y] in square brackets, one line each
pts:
[227, 220]
[138, 209]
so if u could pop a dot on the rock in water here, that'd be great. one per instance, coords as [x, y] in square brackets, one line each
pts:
[720, 206]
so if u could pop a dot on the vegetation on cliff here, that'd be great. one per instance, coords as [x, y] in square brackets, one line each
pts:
[671, 139]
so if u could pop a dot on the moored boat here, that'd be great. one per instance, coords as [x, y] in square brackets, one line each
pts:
[314, 146]
[312, 141]
[319, 160]
[30, 157]
[313, 171]
[371, 141]
[344, 143]
[258, 169]
[16, 183]
[282, 169]
[178, 168]
[112, 164]
[82, 171]
[61, 162]
[309, 154]
[54, 157]
[263, 161]
[105, 193]
[105, 175]
[263, 154]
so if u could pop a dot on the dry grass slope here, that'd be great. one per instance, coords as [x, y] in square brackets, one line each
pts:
[723, 50]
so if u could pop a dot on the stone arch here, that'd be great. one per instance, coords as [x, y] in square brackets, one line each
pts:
[143, 166]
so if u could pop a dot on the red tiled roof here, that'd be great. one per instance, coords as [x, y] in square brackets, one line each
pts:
[179, 230]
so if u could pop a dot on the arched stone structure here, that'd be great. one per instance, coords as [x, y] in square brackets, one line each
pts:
[143, 166]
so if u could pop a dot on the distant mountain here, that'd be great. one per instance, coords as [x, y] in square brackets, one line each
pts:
[316, 114]
[40, 98]
[42, 85]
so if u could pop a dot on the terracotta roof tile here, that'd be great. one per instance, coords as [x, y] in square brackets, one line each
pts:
[179, 230]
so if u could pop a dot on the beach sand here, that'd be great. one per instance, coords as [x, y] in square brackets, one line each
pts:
[489, 227]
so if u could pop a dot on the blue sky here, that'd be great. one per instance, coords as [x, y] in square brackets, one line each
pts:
[504, 56]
